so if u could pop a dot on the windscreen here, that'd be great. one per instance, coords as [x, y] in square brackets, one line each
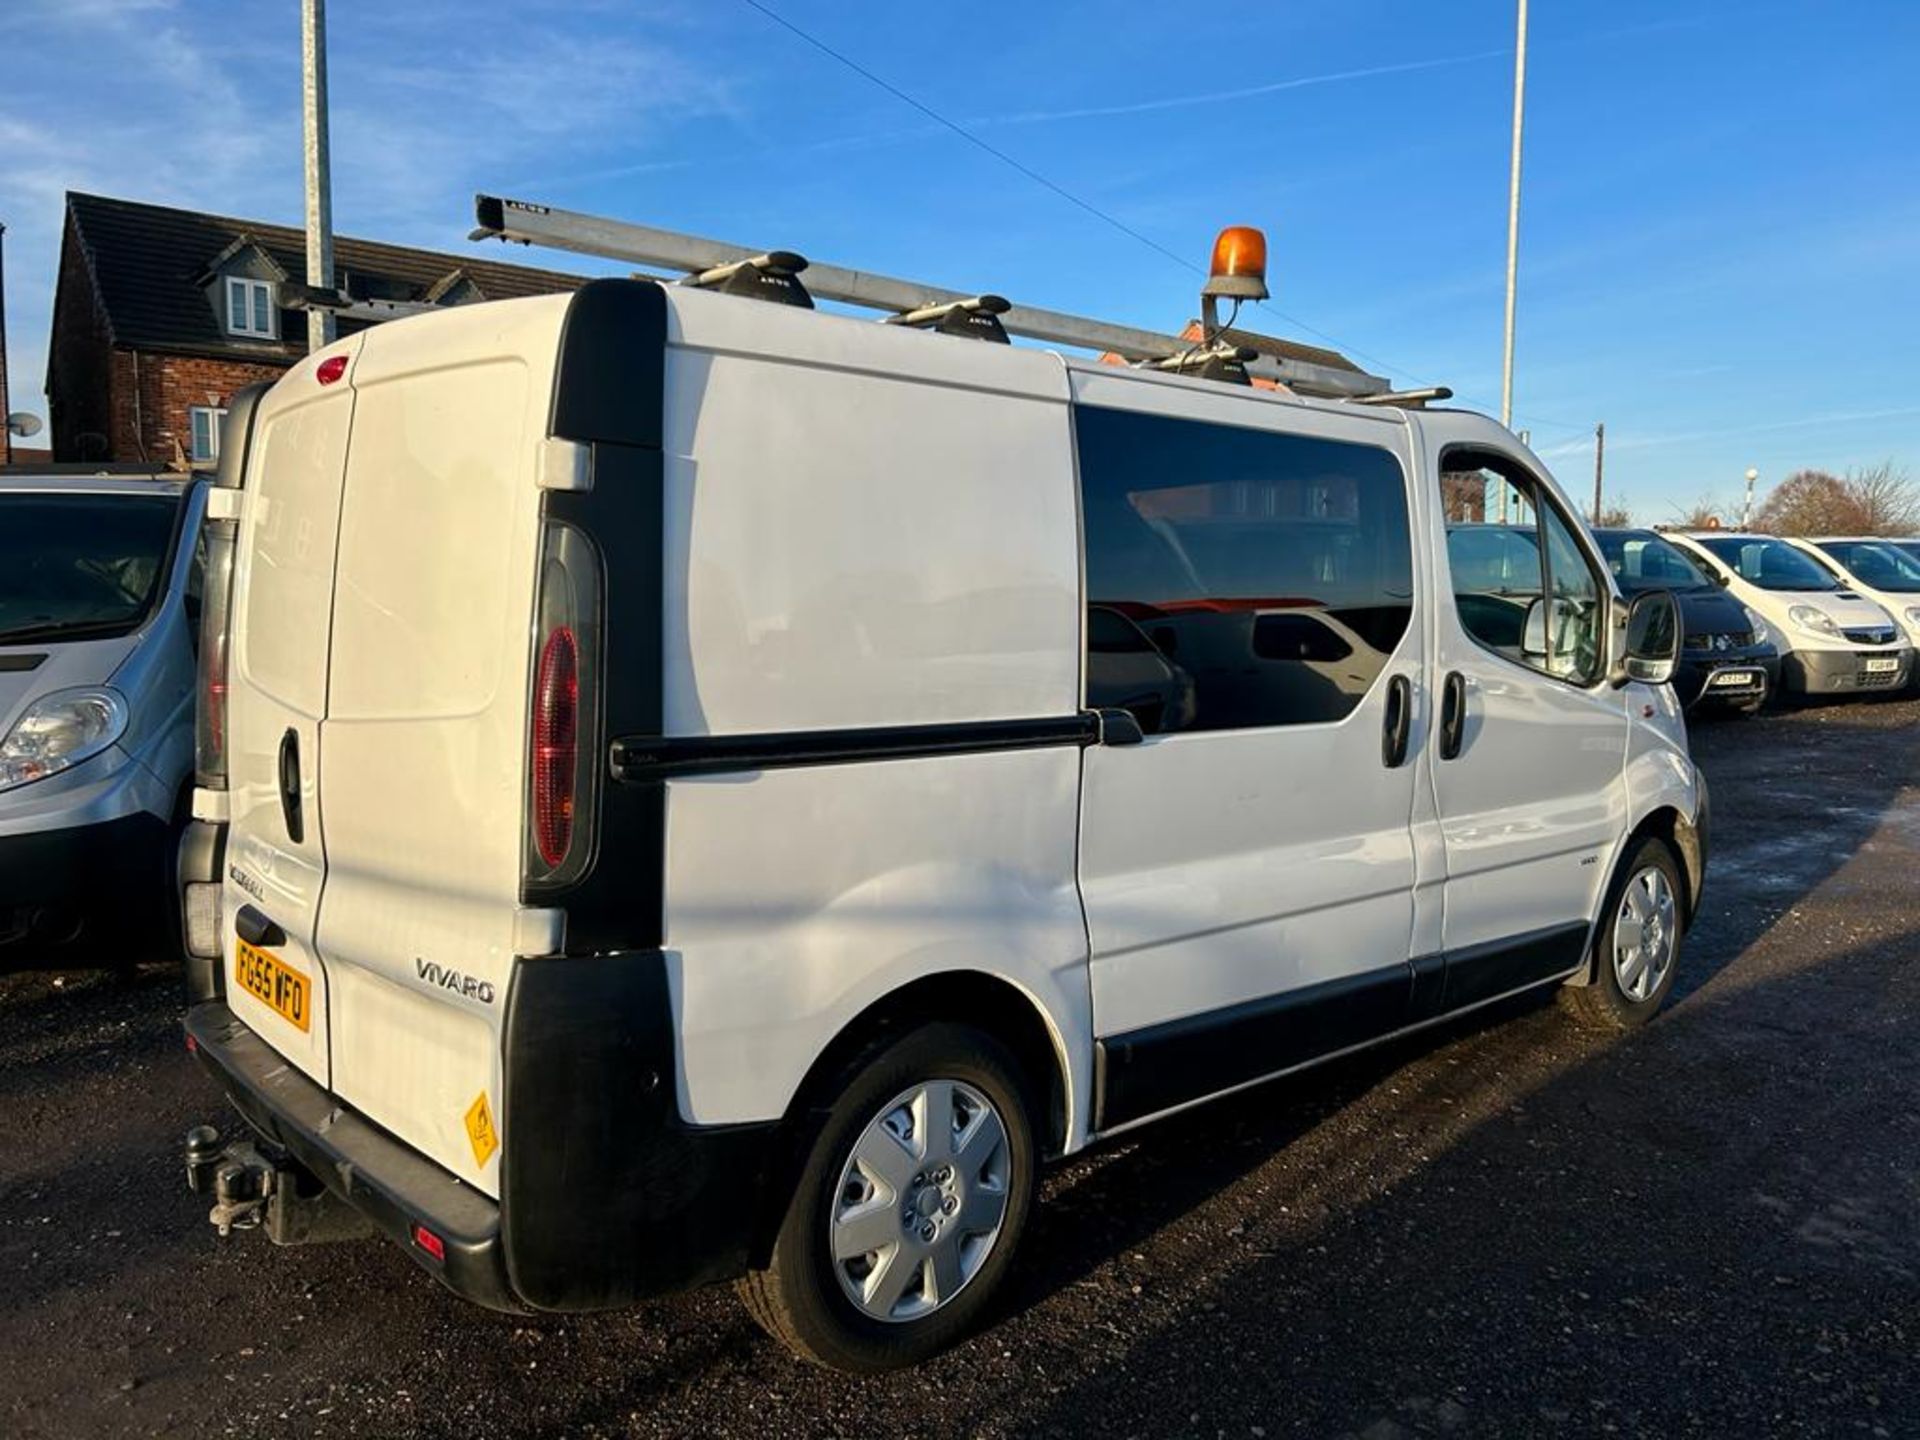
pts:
[1641, 560]
[1877, 564]
[1770, 564]
[79, 567]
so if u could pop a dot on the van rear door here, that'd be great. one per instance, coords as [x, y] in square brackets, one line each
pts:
[282, 627]
[426, 732]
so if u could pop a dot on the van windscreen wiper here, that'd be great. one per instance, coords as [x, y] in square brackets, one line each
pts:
[67, 630]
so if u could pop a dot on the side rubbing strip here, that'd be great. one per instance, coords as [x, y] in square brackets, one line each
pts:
[1143, 1072]
[638, 759]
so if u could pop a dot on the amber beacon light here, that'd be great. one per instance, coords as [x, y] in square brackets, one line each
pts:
[1239, 269]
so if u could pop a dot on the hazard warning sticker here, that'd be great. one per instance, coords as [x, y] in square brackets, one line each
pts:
[480, 1132]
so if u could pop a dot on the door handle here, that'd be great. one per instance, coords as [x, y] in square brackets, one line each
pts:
[1453, 714]
[290, 786]
[1398, 724]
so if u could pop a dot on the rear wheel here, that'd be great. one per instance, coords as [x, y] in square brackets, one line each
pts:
[914, 1194]
[1638, 943]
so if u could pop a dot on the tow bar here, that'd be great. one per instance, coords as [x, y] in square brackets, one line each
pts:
[256, 1186]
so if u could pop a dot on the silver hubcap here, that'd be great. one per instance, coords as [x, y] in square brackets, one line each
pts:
[1645, 934]
[920, 1201]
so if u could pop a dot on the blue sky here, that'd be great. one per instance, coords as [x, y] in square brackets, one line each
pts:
[1720, 248]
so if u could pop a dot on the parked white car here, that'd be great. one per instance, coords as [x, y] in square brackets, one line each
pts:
[1832, 639]
[679, 820]
[98, 593]
[1885, 571]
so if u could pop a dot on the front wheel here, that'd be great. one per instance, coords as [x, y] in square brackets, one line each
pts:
[1637, 945]
[912, 1199]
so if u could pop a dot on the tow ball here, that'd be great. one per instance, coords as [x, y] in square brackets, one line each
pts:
[255, 1187]
[238, 1176]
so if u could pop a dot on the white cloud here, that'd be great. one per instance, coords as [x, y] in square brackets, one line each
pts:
[200, 106]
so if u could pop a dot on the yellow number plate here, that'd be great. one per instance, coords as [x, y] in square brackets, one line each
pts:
[278, 984]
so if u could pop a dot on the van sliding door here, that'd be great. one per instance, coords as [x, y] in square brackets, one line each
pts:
[1248, 868]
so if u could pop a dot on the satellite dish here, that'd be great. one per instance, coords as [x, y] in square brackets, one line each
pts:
[23, 424]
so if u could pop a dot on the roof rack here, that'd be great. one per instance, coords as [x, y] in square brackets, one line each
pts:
[910, 302]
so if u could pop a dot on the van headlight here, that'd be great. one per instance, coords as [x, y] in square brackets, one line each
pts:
[1814, 621]
[1913, 614]
[59, 731]
[1761, 634]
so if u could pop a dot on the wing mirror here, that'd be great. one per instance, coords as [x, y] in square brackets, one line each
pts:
[1651, 646]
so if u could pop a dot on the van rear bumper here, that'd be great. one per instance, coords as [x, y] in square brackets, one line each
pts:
[390, 1183]
[607, 1195]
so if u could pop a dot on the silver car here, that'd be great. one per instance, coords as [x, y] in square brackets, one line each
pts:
[99, 599]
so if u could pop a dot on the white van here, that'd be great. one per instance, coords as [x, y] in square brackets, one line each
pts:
[1833, 640]
[718, 790]
[99, 607]
[1885, 571]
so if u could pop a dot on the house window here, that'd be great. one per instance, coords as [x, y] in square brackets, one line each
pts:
[250, 308]
[206, 424]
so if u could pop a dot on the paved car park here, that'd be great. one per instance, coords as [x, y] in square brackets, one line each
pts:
[1508, 1227]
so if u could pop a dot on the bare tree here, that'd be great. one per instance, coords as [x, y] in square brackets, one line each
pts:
[1703, 514]
[1614, 517]
[1809, 502]
[1877, 500]
[1886, 500]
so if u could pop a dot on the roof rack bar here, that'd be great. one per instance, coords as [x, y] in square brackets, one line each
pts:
[1407, 399]
[526, 223]
[338, 303]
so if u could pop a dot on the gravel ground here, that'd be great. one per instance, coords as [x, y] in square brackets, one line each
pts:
[1510, 1228]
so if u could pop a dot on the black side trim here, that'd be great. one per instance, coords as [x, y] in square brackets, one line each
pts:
[609, 392]
[1145, 1071]
[606, 1195]
[236, 436]
[1481, 972]
[611, 376]
[1153, 1069]
[14, 664]
[391, 1184]
[641, 758]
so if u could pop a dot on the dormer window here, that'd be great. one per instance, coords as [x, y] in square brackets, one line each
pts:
[250, 309]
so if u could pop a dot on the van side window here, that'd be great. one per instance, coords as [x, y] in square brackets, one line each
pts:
[1522, 585]
[1237, 577]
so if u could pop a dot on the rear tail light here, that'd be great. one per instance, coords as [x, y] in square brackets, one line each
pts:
[556, 732]
[210, 700]
[563, 721]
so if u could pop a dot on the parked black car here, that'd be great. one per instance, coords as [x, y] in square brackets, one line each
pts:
[1727, 657]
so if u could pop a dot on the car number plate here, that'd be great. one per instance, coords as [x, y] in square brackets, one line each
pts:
[274, 982]
[1882, 665]
[1736, 679]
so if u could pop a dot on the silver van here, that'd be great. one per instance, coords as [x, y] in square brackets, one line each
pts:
[99, 596]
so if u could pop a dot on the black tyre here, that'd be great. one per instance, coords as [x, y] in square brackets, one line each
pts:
[913, 1197]
[1637, 943]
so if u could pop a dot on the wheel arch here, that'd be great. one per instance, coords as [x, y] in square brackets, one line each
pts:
[970, 997]
[1685, 839]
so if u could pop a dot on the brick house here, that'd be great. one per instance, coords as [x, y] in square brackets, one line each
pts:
[159, 315]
